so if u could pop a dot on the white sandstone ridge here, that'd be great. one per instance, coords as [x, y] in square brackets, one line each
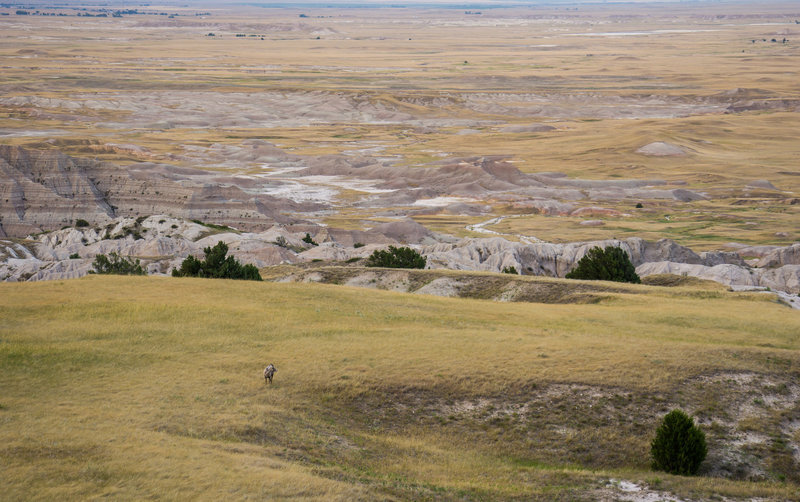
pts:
[162, 242]
[778, 269]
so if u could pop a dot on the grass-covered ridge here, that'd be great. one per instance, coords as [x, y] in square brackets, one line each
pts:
[133, 387]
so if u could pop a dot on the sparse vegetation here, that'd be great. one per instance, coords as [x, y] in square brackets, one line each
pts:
[308, 240]
[213, 225]
[217, 266]
[679, 446]
[510, 270]
[394, 257]
[116, 264]
[609, 264]
[80, 223]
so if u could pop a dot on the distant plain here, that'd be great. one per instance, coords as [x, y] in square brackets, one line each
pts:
[419, 87]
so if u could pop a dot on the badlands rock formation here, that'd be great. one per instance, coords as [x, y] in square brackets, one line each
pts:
[45, 189]
[162, 242]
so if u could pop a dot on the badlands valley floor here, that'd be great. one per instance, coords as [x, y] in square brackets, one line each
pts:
[564, 118]
[487, 138]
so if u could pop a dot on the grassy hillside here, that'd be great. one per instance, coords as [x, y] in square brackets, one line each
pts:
[134, 388]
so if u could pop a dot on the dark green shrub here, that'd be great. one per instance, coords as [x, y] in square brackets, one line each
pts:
[217, 266]
[116, 264]
[81, 223]
[510, 270]
[74, 256]
[609, 264]
[358, 245]
[396, 258]
[308, 240]
[679, 446]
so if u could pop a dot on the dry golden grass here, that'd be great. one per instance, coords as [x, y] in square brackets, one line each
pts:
[151, 387]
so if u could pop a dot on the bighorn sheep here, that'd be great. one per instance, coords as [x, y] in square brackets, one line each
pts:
[268, 372]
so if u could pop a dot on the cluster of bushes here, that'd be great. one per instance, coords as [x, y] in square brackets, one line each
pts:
[609, 264]
[217, 266]
[394, 257]
[116, 264]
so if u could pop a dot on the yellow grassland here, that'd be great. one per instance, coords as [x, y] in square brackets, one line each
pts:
[132, 388]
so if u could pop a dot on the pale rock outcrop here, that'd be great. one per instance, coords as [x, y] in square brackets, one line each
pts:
[785, 278]
[661, 257]
[528, 128]
[408, 231]
[443, 286]
[249, 248]
[726, 274]
[711, 258]
[161, 243]
[668, 250]
[750, 251]
[789, 255]
[14, 250]
[33, 269]
[65, 269]
[661, 149]
[765, 184]
[333, 251]
[160, 247]
[541, 258]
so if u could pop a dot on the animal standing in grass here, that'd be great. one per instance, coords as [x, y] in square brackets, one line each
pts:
[268, 372]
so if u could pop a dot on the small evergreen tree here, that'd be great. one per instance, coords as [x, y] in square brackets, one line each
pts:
[217, 266]
[396, 258]
[679, 446]
[609, 264]
[309, 240]
[116, 264]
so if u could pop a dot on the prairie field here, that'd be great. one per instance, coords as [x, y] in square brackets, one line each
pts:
[133, 388]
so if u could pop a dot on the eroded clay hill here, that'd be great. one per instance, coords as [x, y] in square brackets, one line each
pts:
[45, 189]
